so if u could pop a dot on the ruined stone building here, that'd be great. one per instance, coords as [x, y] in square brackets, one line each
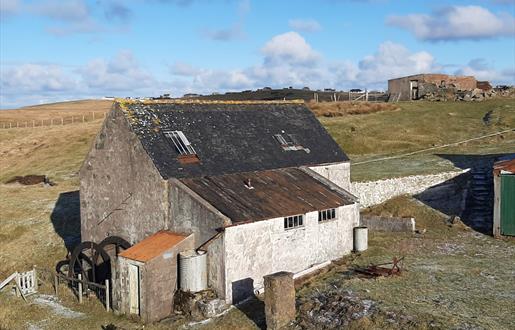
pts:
[417, 86]
[259, 186]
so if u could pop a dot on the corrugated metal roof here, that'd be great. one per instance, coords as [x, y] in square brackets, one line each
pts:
[505, 165]
[274, 193]
[153, 246]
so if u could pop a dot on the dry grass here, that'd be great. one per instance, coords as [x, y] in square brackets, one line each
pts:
[339, 109]
[46, 114]
[54, 151]
[29, 237]
[454, 278]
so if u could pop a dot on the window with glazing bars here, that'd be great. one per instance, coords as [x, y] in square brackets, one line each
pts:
[181, 143]
[286, 139]
[326, 215]
[293, 221]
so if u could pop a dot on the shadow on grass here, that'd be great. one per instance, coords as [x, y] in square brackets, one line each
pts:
[246, 301]
[468, 195]
[254, 309]
[65, 218]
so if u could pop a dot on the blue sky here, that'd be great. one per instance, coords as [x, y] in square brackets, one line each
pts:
[53, 50]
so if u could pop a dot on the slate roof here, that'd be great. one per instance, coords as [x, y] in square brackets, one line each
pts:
[275, 193]
[230, 137]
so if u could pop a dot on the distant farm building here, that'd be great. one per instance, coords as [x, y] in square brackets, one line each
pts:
[251, 188]
[417, 86]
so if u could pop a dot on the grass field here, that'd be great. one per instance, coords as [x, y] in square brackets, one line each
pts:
[55, 110]
[29, 233]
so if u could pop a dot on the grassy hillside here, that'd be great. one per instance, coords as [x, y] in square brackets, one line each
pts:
[29, 230]
[420, 125]
[55, 111]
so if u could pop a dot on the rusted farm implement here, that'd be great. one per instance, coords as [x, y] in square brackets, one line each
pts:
[88, 267]
[384, 269]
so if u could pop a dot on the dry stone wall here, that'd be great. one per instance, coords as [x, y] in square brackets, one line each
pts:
[375, 192]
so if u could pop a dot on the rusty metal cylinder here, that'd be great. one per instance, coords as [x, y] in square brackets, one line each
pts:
[193, 270]
[360, 239]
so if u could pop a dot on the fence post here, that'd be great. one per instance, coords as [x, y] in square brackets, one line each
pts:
[80, 288]
[56, 283]
[35, 274]
[62, 121]
[82, 118]
[93, 113]
[108, 302]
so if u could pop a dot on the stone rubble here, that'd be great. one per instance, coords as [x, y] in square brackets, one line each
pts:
[443, 93]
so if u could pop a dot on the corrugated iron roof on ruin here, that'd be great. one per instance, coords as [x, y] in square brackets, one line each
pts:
[268, 194]
[504, 165]
[153, 246]
[230, 137]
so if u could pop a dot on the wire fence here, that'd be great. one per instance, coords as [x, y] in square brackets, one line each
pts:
[56, 121]
[434, 148]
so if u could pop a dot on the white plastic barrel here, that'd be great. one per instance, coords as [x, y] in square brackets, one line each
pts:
[193, 270]
[360, 239]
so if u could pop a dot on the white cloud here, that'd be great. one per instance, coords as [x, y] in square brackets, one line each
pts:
[72, 16]
[121, 73]
[394, 60]
[71, 10]
[180, 68]
[121, 76]
[287, 60]
[304, 25]
[289, 47]
[482, 70]
[456, 23]
[35, 78]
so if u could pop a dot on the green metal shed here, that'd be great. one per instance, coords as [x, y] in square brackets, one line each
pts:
[504, 198]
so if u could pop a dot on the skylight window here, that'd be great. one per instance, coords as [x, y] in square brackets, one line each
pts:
[286, 140]
[289, 142]
[181, 143]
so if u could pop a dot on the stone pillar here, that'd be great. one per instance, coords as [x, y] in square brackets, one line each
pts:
[279, 300]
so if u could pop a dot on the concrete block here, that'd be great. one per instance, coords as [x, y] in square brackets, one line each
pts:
[393, 224]
[212, 308]
[279, 300]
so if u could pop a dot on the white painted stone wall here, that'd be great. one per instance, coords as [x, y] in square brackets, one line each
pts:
[338, 173]
[259, 248]
[375, 192]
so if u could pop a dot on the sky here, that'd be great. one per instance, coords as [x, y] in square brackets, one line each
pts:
[57, 50]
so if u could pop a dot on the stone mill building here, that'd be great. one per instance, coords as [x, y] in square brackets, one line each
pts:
[257, 187]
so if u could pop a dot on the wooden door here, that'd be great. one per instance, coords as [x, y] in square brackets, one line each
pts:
[134, 296]
[508, 204]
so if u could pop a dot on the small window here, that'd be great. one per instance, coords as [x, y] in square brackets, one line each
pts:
[294, 222]
[181, 143]
[288, 141]
[326, 215]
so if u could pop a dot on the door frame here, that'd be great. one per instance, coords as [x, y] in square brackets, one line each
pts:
[134, 288]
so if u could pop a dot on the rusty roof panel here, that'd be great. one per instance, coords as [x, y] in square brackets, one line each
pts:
[274, 193]
[505, 165]
[153, 246]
